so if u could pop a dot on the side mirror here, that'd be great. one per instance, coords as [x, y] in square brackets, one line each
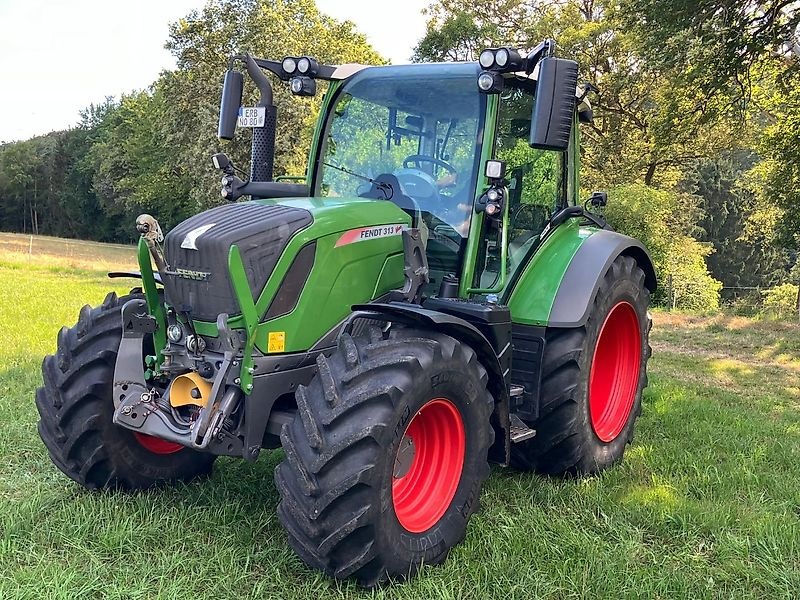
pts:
[230, 103]
[598, 199]
[554, 107]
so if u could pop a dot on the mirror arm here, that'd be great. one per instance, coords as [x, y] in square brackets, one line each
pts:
[543, 49]
[261, 81]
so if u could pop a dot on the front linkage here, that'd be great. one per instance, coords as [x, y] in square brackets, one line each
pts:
[172, 399]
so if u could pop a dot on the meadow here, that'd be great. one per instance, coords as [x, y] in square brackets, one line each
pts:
[706, 503]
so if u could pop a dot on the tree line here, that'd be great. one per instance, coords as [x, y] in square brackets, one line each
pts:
[149, 151]
[696, 133]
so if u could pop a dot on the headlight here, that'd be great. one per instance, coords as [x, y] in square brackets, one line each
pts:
[486, 59]
[490, 82]
[303, 86]
[174, 333]
[289, 65]
[501, 57]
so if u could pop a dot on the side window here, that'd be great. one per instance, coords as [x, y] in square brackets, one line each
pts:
[536, 176]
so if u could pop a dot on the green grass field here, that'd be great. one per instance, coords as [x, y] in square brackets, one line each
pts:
[706, 503]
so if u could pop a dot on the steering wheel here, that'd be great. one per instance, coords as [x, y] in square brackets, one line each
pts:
[416, 159]
[420, 186]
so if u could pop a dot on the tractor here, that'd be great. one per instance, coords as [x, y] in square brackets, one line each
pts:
[431, 298]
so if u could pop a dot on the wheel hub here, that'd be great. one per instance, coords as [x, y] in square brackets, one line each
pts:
[428, 465]
[614, 376]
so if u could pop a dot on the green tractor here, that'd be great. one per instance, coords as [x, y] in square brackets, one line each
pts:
[431, 298]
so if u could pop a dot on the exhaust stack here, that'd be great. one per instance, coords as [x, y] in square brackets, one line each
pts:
[262, 152]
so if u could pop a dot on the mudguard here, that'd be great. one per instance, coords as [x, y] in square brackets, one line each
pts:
[413, 314]
[586, 270]
[558, 285]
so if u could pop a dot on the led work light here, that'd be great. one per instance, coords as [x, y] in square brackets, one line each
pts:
[495, 62]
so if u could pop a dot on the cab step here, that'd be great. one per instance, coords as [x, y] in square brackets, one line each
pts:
[519, 431]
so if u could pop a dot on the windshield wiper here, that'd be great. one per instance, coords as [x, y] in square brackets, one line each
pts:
[386, 188]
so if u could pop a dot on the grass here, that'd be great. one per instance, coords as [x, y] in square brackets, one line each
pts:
[706, 503]
[19, 249]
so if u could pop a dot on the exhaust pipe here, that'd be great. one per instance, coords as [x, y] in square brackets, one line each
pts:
[262, 159]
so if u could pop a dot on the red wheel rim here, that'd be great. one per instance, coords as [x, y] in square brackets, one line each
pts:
[614, 377]
[157, 445]
[423, 492]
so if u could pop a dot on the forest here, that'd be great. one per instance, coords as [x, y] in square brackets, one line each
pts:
[696, 132]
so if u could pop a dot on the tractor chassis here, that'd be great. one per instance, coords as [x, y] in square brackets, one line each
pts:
[220, 428]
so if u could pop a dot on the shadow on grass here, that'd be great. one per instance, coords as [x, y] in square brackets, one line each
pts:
[760, 341]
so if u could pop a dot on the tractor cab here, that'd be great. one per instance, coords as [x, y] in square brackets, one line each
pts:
[420, 136]
[413, 137]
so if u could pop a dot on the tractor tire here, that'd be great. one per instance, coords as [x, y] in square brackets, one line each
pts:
[386, 456]
[76, 409]
[592, 381]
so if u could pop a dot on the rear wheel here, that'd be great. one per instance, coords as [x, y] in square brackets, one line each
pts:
[592, 381]
[386, 456]
[76, 409]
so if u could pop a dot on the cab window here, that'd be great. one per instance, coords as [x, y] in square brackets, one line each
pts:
[537, 184]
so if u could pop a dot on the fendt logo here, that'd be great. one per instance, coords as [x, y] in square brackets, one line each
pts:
[369, 233]
[193, 275]
[190, 241]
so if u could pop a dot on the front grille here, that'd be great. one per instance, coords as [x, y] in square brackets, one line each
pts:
[197, 279]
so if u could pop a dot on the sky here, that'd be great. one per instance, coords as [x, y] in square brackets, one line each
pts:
[59, 56]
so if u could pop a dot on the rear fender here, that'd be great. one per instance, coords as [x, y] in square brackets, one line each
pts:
[415, 315]
[558, 286]
[582, 279]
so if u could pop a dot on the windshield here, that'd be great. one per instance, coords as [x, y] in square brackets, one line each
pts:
[409, 135]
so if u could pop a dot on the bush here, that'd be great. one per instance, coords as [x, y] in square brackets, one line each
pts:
[780, 301]
[692, 286]
[660, 220]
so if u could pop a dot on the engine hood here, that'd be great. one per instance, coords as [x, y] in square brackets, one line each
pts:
[198, 280]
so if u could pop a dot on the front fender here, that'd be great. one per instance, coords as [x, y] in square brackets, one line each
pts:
[460, 329]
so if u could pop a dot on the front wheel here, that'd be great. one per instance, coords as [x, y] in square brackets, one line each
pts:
[386, 456]
[592, 381]
[76, 408]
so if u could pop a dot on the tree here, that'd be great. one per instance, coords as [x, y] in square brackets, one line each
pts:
[202, 44]
[645, 129]
[725, 208]
[663, 221]
[714, 43]
[150, 150]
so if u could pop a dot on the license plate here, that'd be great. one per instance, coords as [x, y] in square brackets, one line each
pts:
[251, 116]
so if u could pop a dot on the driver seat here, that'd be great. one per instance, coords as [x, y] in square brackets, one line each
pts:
[378, 191]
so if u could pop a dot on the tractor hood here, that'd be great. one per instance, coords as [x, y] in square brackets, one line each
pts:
[285, 238]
